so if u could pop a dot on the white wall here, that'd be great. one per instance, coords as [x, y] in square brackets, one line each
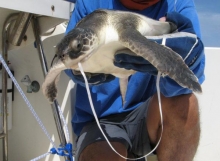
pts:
[60, 9]
[209, 148]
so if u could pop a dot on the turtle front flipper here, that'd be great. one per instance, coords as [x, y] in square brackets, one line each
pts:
[49, 86]
[163, 58]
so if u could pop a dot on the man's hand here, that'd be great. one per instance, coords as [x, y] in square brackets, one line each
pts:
[184, 42]
[92, 78]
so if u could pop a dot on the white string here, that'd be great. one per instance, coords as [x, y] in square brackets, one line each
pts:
[27, 101]
[191, 49]
[175, 5]
[41, 157]
[97, 121]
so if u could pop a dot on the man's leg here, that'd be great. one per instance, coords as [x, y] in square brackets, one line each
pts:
[100, 151]
[120, 129]
[181, 132]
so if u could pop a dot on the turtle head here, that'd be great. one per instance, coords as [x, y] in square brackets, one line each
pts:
[77, 46]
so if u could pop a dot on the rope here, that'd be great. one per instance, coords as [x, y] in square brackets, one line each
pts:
[41, 157]
[64, 124]
[63, 151]
[26, 100]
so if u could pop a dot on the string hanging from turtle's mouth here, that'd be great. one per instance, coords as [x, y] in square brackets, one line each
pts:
[99, 126]
[53, 60]
[97, 121]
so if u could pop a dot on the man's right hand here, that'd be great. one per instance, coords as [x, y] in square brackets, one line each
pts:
[92, 78]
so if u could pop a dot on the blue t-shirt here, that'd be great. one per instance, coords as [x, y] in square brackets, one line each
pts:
[106, 97]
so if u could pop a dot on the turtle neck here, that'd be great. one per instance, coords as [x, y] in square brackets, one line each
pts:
[138, 4]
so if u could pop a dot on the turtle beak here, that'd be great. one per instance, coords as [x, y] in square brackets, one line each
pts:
[67, 50]
[55, 59]
[62, 55]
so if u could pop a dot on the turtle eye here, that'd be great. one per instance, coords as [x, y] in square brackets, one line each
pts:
[79, 45]
[76, 45]
[75, 48]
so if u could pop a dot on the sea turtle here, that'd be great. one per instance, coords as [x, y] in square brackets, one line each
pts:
[98, 36]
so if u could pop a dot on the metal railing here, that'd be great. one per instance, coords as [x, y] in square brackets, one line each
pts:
[15, 38]
[5, 42]
[44, 66]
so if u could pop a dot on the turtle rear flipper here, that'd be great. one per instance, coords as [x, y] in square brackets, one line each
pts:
[163, 58]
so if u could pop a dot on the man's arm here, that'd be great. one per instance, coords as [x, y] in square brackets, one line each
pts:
[187, 9]
[78, 13]
[169, 87]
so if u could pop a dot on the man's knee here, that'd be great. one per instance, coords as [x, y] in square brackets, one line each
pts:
[179, 106]
[181, 109]
[100, 151]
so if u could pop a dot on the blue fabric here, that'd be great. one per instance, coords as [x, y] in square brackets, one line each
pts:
[106, 97]
[72, 1]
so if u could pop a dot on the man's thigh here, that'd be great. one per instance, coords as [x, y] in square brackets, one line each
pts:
[91, 139]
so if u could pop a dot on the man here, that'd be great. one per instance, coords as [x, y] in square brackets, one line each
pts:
[135, 128]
